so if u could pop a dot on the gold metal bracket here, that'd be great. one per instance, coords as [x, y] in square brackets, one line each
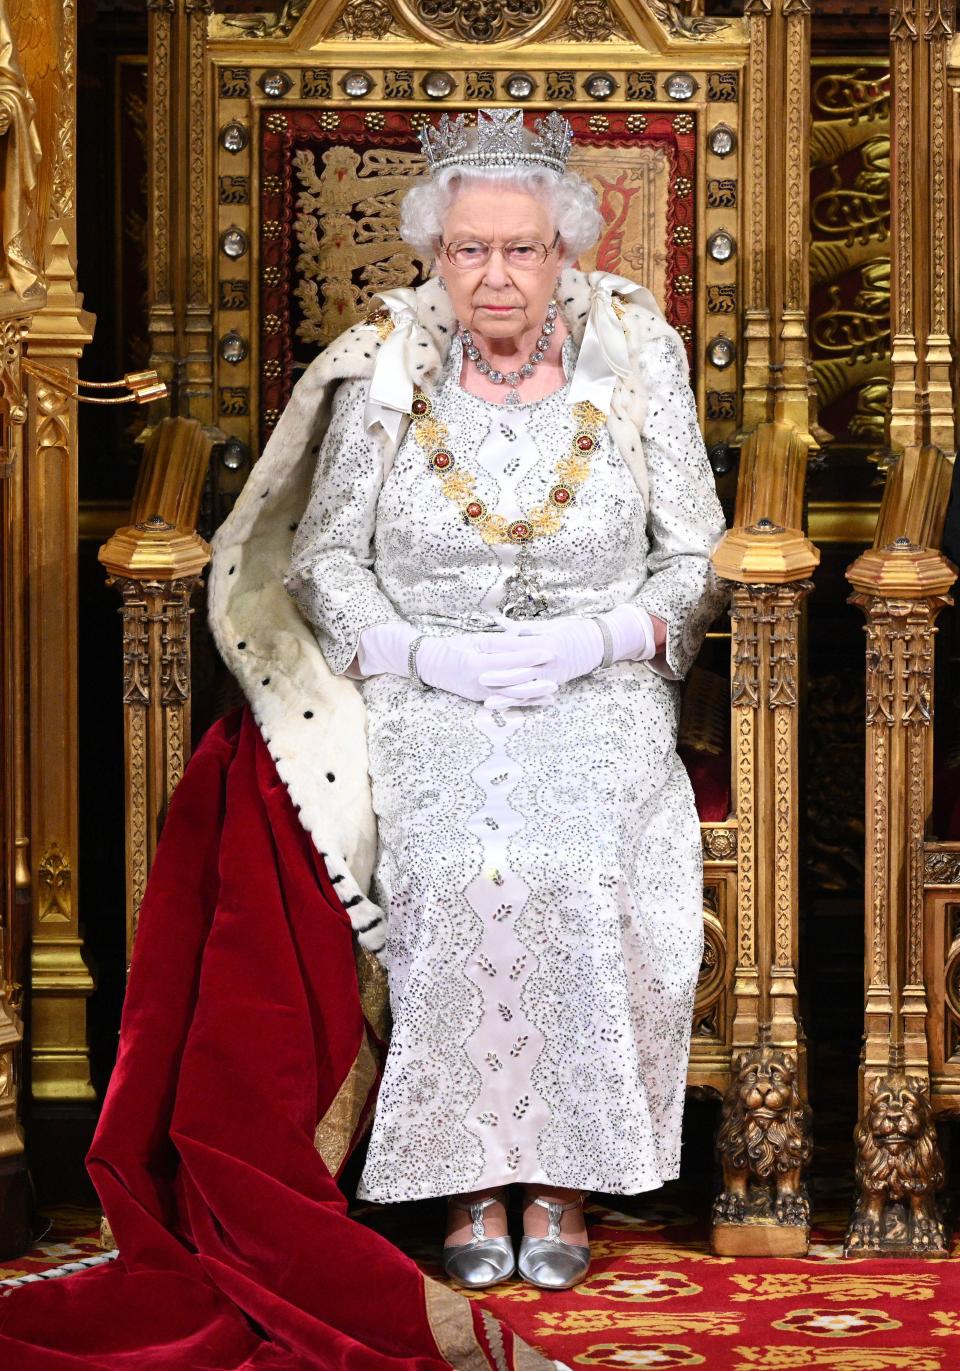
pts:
[142, 386]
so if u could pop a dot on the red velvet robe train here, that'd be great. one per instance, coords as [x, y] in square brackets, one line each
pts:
[241, 1023]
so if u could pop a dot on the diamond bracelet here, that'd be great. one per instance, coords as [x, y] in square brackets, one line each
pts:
[607, 637]
[412, 662]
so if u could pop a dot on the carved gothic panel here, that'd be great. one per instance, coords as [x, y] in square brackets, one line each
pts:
[850, 251]
[942, 867]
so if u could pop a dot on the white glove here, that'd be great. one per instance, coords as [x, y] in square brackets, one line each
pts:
[472, 665]
[576, 645]
[478, 665]
[631, 629]
[384, 649]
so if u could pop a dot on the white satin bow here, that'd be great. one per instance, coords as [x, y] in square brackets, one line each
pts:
[603, 357]
[602, 361]
[391, 386]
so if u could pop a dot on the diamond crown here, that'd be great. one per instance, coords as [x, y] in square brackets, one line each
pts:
[499, 140]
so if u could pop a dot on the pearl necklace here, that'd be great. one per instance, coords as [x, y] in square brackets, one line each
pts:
[512, 378]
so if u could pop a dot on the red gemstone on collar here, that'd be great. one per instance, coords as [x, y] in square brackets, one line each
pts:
[584, 442]
[420, 405]
[561, 495]
[519, 532]
[474, 510]
[443, 461]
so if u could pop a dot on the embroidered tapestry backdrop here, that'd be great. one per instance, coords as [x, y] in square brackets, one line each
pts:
[331, 186]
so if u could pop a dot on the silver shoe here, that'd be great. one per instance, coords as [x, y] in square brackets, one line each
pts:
[482, 1261]
[549, 1262]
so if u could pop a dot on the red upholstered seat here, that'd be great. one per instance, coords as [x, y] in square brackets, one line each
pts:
[946, 802]
[709, 774]
[703, 742]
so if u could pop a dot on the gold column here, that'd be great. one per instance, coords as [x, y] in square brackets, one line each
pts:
[901, 584]
[756, 327]
[156, 682]
[14, 806]
[768, 562]
[60, 979]
[198, 322]
[161, 160]
[181, 307]
[793, 397]
[763, 1209]
[922, 406]
[938, 34]
[904, 47]
[899, 629]
[156, 562]
[59, 329]
[776, 272]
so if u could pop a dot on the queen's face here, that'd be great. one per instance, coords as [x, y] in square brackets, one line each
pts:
[500, 300]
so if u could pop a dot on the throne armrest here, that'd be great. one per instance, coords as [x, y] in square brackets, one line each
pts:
[915, 498]
[905, 562]
[767, 559]
[766, 545]
[155, 562]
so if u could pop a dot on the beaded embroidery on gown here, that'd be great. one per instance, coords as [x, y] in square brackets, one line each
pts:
[540, 868]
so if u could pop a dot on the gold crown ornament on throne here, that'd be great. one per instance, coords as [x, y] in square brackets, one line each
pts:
[500, 139]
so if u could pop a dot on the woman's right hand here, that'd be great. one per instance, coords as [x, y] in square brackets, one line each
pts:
[473, 665]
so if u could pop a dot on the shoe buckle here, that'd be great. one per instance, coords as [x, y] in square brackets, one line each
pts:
[476, 1214]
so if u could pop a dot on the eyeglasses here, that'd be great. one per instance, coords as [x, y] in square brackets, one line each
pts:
[520, 252]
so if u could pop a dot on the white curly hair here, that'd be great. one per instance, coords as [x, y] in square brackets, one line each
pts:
[570, 199]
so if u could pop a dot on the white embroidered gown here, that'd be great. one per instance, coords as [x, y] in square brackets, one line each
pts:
[540, 867]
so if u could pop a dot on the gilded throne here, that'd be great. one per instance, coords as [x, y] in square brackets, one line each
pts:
[287, 241]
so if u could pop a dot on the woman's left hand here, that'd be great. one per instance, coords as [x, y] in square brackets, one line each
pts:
[575, 646]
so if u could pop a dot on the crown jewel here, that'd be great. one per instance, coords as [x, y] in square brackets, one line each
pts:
[499, 140]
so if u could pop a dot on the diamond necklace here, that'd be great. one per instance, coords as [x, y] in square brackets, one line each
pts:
[512, 378]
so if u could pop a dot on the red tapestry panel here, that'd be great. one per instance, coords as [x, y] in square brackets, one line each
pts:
[331, 186]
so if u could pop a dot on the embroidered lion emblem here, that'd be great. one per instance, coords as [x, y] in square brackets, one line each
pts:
[899, 1170]
[764, 1141]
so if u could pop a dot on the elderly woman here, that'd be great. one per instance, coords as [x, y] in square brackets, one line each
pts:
[505, 543]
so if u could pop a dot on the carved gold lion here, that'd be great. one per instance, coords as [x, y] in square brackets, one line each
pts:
[764, 1142]
[898, 1164]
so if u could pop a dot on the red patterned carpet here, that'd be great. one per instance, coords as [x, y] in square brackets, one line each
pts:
[68, 1240]
[655, 1297]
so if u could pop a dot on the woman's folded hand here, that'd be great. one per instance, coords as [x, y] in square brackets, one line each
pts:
[475, 666]
[523, 666]
[576, 646]
[483, 666]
